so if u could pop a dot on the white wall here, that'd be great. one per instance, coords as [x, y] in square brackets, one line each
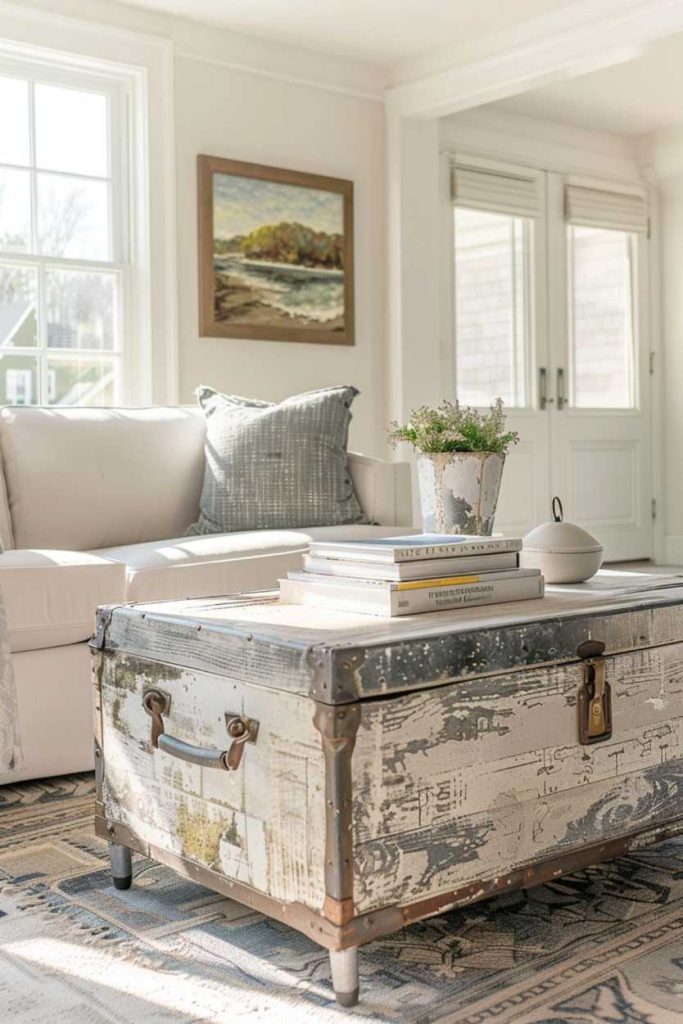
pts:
[251, 100]
[244, 116]
[547, 145]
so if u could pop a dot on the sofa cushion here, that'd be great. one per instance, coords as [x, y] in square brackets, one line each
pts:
[51, 596]
[274, 467]
[224, 563]
[89, 478]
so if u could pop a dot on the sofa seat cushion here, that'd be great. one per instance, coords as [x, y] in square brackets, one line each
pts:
[51, 596]
[224, 563]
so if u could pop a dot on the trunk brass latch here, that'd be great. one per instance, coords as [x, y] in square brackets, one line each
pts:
[595, 695]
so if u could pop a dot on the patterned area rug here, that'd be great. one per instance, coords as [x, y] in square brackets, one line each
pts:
[604, 945]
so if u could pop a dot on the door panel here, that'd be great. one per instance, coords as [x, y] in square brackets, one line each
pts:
[601, 471]
[600, 431]
[523, 501]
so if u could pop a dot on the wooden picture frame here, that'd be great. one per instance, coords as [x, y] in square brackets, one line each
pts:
[259, 286]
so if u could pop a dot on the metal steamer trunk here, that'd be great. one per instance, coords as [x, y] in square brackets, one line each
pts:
[348, 775]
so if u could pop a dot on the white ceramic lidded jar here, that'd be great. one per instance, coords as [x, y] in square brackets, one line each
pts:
[563, 552]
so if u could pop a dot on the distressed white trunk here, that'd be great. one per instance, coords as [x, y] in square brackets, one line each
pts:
[459, 491]
[463, 769]
[466, 783]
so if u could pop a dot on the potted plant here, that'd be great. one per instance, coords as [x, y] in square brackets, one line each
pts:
[461, 454]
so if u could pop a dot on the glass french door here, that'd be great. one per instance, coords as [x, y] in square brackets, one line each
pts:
[552, 317]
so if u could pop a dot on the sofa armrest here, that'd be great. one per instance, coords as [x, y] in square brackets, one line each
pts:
[383, 489]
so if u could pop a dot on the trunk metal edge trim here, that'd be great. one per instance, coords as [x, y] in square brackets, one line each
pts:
[375, 923]
[307, 921]
[338, 727]
[366, 927]
[103, 619]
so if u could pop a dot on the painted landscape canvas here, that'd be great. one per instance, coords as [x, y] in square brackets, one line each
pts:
[276, 253]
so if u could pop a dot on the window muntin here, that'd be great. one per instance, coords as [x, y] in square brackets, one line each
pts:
[61, 279]
[602, 335]
[492, 306]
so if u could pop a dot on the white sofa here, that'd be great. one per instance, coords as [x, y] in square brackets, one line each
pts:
[94, 505]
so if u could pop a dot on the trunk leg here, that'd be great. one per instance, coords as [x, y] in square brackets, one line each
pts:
[121, 866]
[344, 969]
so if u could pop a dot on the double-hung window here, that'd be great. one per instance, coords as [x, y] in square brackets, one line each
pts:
[64, 235]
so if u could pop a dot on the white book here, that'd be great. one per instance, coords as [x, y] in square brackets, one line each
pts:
[411, 597]
[414, 547]
[425, 568]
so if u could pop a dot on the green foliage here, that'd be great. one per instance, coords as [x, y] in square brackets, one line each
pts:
[224, 246]
[453, 428]
[295, 244]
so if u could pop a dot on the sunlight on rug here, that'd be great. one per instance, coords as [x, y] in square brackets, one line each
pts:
[603, 946]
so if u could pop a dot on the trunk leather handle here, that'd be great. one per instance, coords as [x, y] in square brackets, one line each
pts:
[241, 731]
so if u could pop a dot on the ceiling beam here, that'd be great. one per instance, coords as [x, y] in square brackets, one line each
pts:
[533, 62]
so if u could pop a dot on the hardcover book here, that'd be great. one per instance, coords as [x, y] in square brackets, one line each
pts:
[424, 568]
[414, 547]
[410, 597]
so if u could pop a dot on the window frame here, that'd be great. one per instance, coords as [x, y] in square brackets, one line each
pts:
[549, 330]
[517, 252]
[632, 313]
[535, 342]
[145, 63]
[640, 294]
[119, 263]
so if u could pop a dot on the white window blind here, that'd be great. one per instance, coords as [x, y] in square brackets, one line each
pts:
[476, 189]
[598, 208]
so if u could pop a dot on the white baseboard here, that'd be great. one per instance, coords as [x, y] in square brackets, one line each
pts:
[673, 550]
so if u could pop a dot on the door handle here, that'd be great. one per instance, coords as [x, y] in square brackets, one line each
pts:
[561, 399]
[543, 400]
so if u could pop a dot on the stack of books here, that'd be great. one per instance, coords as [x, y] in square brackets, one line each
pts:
[406, 575]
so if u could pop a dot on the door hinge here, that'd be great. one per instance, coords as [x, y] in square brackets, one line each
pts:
[654, 508]
[652, 363]
[649, 227]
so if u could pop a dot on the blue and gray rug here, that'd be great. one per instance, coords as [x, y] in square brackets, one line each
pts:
[604, 945]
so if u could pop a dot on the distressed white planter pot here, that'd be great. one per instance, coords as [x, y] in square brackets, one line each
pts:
[459, 491]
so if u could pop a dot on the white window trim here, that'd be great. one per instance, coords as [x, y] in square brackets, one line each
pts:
[143, 63]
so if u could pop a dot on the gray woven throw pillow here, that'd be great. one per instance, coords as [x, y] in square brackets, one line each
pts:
[271, 467]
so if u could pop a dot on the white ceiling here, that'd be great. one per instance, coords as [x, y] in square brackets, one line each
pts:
[633, 98]
[378, 31]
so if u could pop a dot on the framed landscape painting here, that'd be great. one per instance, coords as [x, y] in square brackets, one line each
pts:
[275, 253]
